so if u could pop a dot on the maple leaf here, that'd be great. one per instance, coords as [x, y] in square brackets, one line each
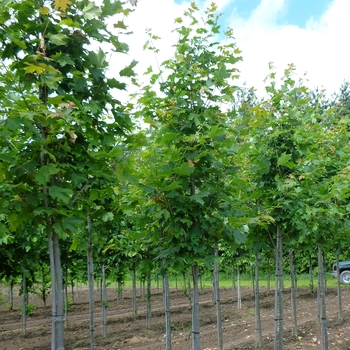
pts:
[62, 4]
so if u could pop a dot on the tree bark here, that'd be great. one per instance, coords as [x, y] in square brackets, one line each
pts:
[59, 294]
[239, 297]
[104, 302]
[324, 328]
[258, 331]
[134, 304]
[234, 292]
[217, 296]
[293, 295]
[148, 301]
[196, 345]
[24, 304]
[90, 266]
[166, 295]
[278, 336]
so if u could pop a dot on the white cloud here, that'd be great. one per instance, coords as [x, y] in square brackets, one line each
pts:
[320, 49]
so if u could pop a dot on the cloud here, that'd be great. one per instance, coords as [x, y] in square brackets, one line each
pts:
[319, 49]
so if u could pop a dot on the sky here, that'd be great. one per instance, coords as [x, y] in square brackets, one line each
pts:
[311, 34]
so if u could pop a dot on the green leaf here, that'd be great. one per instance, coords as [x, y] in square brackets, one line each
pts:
[109, 216]
[19, 43]
[115, 84]
[91, 11]
[98, 59]
[44, 173]
[58, 39]
[120, 24]
[63, 59]
[64, 194]
[284, 160]
[128, 71]
[198, 197]
[43, 210]
[71, 224]
[184, 169]
[173, 186]
[215, 131]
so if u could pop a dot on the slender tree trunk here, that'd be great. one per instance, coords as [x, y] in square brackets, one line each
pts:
[134, 305]
[340, 308]
[189, 287]
[53, 293]
[293, 294]
[234, 292]
[90, 265]
[252, 285]
[104, 302]
[120, 290]
[324, 328]
[258, 331]
[239, 297]
[217, 296]
[24, 303]
[72, 290]
[196, 345]
[66, 297]
[166, 295]
[11, 294]
[148, 301]
[311, 274]
[157, 281]
[59, 294]
[43, 292]
[278, 336]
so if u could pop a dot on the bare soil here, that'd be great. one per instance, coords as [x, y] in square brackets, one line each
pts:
[125, 331]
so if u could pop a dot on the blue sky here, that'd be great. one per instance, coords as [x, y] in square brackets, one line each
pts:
[295, 12]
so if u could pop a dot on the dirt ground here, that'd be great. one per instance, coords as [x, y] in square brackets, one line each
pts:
[127, 332]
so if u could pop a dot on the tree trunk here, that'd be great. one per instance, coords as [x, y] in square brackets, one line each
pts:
[324, 328]
[104, 302]
[340, 308]
[24, 303]
[90, 266]
[239, 297]
[189, 287]
[166, 296]
[53, 293]
[120, 290]
[196, 344]
[59, 295]
[217, 295]
[278, 336]
[66, 301]
[11, 294]
[293, 295]
[234, 293]
[148, 301]
[258, 331]
[311, 274]
[134, 304]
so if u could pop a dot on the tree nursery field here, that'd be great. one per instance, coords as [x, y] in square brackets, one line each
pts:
[126, 331]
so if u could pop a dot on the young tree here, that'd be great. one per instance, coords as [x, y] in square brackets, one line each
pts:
[192, 138]
[58, 115]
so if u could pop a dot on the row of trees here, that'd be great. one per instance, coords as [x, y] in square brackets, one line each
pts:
[215, 167]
